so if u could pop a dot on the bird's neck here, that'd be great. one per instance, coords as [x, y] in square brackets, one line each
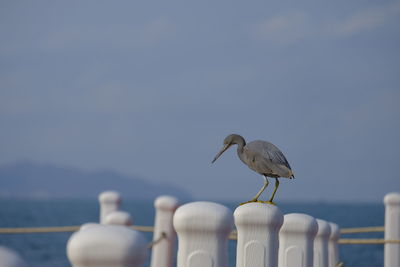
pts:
[240, 150]
[240, 145]
[241, 155]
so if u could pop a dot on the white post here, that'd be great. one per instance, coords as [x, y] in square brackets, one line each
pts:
[109, 202]
[107, 246]
[203, 229]
[296, 240]
[321, 258]
[333, 245]
[162, 252]
[258, 227]
[10, 258]
[392, 229]
[88, 225]
[118, 218]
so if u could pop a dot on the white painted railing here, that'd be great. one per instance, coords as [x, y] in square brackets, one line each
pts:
[321, 258]
[10, 258]
[392, 229]
[296, 240]
[258, 228]
[333, 248]
[107, 246]
[203, 229]
[265, 238]
[109, 202]
[118, 218]
[162, 253]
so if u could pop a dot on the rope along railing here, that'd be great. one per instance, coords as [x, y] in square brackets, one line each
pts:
[158, 240]
[362, 230]
[233, 235]
[366, 241]
[60, 229]
[63, 229]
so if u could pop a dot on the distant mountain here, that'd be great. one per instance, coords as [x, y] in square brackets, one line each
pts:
[30, 180]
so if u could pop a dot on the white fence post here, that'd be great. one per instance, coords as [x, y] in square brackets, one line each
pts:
[392, 229]
[109, 201]
[88, 225]
[258, 227]
[107, 246]
[162, 252]
[203, 229]
[296, 240]
[321, 258]
[10, 258]
[118, 218]
[333, 245]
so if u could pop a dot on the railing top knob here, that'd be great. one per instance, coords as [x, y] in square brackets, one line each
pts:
[88, 225]
[324, 229]
[299, 223]
[392, 199]
[166, 203]
[206, 216]
[10, 258]
[335, 232]
[103, 243]
[258, 214]
[118, 218]
[110, 197]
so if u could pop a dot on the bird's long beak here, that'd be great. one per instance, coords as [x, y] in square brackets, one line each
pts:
[220, 152]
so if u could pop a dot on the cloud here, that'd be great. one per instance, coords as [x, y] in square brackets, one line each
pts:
[283, 29]
[296, 26]
[367, 19]
[112, 36]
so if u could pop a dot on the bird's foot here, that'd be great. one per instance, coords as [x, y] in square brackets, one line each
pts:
[251, 201]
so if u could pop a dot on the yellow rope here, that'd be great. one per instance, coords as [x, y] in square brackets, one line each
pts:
[28, 230]
[362, 230]
[59, 229]
[158, 240]
[148, 229]
[347, 241]
[232, 236]
[367, 241]
[151, 228]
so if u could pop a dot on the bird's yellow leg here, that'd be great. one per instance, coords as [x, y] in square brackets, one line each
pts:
[255, 199]
[270, 201]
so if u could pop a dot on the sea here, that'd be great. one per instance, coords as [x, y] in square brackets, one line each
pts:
[49, 249]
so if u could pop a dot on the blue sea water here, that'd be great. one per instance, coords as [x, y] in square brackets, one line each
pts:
[49, 250]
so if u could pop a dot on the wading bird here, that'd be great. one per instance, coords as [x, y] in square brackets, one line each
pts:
[263, 158]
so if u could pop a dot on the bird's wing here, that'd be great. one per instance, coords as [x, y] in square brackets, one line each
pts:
[269, 151]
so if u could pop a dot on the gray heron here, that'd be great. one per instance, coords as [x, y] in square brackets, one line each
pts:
[262, 157]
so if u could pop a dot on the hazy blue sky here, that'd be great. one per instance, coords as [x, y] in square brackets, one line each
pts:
[151, 88]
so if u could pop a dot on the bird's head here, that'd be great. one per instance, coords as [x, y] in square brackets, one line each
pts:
[228, 142]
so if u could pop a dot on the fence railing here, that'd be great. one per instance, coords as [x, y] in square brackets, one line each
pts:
[265, 237]
[232, 236]
[150, 229]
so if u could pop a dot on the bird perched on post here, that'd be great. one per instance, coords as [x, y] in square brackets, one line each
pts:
[263, 158]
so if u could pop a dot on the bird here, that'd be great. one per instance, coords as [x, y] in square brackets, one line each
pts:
[262, 157]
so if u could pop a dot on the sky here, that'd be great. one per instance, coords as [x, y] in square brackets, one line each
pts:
[151, 89]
